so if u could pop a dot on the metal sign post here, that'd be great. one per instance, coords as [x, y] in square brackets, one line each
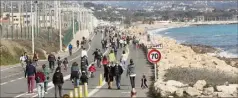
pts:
[154, 57]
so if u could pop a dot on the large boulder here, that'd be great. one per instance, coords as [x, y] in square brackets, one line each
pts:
[175, 83]
[165, 90]
[231, 89]
[192, 91]
[179, 92]
[222, 94]
[208, 91]
[200, 84]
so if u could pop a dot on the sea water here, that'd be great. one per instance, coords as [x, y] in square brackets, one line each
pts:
[224, 37]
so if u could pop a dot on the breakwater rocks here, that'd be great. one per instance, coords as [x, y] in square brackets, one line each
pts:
[173, 88]
[182, 56]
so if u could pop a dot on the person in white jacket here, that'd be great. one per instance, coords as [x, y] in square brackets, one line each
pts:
[84, 52]
[124, 57]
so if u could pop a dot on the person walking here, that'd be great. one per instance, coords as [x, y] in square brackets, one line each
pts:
[131, 73]
[144, 82]
[46, 73]
[66, 64]
[59, 62]
[84, 52]
[30, 75]
[58, 81]
[92, 70]
[23, 62]
[70, 49]
[35, 58]
[117, 69]
[112, 57]
[51, 59]
[105, 62]
[74, 77]
[123, 59]
[84, 78]
[40, 79]
[77, 43]
[108, 75]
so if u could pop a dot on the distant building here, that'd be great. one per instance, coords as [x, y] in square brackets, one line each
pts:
[200, 18]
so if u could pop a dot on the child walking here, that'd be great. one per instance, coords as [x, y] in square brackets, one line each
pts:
[66, 63]
[143, 82]
[92, 69]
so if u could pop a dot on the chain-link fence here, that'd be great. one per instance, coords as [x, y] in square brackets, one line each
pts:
[69, 34]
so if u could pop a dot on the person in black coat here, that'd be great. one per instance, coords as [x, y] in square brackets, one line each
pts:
[108, 75]
[58, 81]
[117, 69]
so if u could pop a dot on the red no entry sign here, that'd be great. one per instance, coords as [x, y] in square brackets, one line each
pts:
[154, 56]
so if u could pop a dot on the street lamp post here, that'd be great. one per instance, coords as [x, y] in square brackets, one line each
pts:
[73, 25]
[32, 29]
[60, 35]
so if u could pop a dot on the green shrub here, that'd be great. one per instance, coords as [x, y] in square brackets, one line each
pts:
[192, 75]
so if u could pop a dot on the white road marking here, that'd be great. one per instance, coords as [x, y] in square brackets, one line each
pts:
[11, 81]
[10, 67]
[11, 75]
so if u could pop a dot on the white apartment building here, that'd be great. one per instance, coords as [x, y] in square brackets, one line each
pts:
[24, 20]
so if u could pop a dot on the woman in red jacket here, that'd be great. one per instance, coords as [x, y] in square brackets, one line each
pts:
[40, 79]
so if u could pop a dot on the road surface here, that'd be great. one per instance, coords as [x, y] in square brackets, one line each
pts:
[14, 84]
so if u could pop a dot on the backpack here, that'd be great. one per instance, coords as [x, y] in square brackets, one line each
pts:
[57, 77]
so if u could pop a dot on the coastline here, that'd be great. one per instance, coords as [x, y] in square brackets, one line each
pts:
[198, 48]
[183, 52]
[189, 63]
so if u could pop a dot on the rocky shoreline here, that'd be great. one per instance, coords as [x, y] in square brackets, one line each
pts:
[203, 49]
[191, 57]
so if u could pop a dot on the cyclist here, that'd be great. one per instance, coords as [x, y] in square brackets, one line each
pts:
[84, 64]
[75, 74]
[70, 49]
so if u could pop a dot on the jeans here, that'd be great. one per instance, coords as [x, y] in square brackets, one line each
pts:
[46, 85]
[118, 80]
[31, 83]
[59, 88]
[40, 89]
[76, 82]
[132, 80]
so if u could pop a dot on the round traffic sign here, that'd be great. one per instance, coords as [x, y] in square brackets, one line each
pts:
[154, 56]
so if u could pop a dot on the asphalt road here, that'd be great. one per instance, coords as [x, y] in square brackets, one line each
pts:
[141, 68]
[14, 84]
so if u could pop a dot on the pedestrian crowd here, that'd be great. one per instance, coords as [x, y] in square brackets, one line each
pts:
[113, 39]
